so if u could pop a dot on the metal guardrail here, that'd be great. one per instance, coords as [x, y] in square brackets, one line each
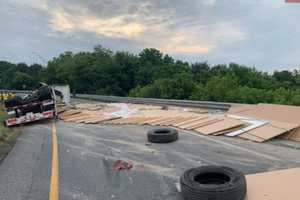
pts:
[151, 101]
[16, 91]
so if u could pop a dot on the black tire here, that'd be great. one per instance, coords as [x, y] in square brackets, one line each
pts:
[213, 183]
[44, 93]
[162, 135]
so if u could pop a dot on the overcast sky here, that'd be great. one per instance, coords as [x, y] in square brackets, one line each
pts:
[261, 33]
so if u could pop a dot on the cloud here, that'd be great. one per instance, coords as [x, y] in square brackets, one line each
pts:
[186, 43]
[262, 33]
[61, 22]
[37, 4]
[118, 26]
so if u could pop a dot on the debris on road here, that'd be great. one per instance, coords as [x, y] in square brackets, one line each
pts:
[258, 123]
[224, 183]
[283, 121]
[122, 165]
[275, 185]
[162, 135]
[213, 182]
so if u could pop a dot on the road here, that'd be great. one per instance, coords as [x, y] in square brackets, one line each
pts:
[86, 154]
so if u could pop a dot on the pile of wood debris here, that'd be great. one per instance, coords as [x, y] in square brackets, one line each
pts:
[253, 122]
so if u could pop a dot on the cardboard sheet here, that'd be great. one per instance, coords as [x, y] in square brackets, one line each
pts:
[264, 132]
[223, 125]
[296, 135]
[200, 122]
[292, 135]
[276, 185]
[179, 120]
[189, 121]
[254, 138]
[281, 116]
[280, 113]
[173, 121]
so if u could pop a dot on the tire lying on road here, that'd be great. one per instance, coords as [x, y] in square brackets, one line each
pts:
[162, 135]
[213, 183]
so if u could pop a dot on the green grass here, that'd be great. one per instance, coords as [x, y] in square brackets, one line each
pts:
[8, 136]
[3, 129]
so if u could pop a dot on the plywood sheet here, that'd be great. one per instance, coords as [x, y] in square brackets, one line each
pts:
[276, 185]
[220, 126]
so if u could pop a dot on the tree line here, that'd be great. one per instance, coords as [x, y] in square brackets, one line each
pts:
[154, 74]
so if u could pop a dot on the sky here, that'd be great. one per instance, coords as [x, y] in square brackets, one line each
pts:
[260, 33]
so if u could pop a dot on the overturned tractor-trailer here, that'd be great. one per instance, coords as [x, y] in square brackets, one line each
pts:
[39, 105]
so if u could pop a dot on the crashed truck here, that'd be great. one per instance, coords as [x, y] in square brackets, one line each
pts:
[40, 105]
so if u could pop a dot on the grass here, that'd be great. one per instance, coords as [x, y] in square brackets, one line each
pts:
[8, 136]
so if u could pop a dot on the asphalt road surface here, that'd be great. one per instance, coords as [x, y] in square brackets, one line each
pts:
[83, 168]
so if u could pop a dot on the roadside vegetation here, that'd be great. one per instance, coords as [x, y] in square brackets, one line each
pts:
[3, 129]
[154, 74]
[8, 136]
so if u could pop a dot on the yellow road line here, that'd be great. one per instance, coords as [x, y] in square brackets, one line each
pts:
[53, 193]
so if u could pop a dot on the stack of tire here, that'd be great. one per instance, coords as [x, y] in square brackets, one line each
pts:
[16, 101]
[44, 93]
